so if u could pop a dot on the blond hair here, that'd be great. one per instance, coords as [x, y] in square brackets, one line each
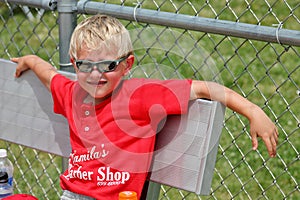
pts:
[101, 31]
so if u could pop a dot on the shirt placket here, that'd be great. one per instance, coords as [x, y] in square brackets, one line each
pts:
[89, 122]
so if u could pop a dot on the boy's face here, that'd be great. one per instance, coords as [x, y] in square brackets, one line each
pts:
[100, 85]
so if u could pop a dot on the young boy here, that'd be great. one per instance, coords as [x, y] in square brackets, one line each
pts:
[113, 121]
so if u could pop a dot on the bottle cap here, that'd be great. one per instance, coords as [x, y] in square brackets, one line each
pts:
[3, 153]
[127, 195]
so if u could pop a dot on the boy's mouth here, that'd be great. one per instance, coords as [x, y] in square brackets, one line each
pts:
[97, 83]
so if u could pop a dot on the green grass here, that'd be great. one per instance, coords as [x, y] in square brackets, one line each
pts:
[267, 74]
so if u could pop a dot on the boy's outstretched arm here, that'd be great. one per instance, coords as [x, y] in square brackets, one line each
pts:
[260, 124]
[44, 71]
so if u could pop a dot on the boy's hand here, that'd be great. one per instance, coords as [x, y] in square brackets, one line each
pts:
[44, 71]
[261, 126]
[22, 66]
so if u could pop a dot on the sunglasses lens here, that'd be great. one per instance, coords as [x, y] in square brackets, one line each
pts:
[112, 66]
[84, 67]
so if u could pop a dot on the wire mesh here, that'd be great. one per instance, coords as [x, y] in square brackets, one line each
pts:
[265, 73]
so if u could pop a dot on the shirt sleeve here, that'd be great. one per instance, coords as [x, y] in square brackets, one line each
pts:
[173, 95]
[161, 97]
[61, 88]
[179, 95]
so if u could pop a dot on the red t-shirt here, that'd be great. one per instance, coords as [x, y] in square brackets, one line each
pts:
[112, 142]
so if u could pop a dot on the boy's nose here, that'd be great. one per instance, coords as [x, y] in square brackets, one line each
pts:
[96, 72]
[95, 68]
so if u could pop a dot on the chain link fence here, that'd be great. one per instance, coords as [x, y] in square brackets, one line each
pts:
[263, 68]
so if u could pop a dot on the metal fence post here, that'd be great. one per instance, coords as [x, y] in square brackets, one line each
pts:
[153, 191]
[67, 22]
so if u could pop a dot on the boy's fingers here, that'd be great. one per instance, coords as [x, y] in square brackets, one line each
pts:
[268, 144]
[14, 59]
[254, 142]
[275, 142]
[271, 146]
[276, 135]
[17, 73]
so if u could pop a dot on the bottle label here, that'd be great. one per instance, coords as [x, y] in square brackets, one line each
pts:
[5, 195]
[10, 181]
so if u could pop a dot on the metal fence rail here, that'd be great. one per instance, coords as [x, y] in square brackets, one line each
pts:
[250, 46]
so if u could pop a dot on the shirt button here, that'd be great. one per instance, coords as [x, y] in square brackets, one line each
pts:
[87, 113]
[86, 129]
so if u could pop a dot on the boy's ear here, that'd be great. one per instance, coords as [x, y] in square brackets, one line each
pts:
[129, 63]
[73, 63]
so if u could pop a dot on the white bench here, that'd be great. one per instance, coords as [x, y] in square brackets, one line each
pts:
[186, 146]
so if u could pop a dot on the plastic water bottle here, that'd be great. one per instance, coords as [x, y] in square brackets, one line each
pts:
[5, 188]
[6, 175]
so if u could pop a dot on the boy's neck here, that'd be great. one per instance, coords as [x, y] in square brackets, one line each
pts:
[94, 101]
